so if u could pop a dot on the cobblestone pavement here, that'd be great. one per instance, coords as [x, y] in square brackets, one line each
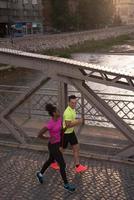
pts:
[103, 180]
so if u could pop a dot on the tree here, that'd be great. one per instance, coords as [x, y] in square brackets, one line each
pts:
[60, 14]
[94, 13]
[89, 14]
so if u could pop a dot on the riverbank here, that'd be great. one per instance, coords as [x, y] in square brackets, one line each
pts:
[92, 43]
[69, 42]
[120, 44]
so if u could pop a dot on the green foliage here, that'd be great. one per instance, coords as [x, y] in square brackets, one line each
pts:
[99, 45]
[95, 13]
[89, 14]
[64, 53]
[89, 46]
[117, 20]
[60, 14]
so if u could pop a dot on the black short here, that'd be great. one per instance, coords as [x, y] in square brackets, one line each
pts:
[68, 138]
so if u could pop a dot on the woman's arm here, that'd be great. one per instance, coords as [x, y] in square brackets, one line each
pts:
[41, 132]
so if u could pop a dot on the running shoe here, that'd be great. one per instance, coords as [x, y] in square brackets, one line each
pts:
[55, 166]
[80, 168]
[39, 177]
[69, 187]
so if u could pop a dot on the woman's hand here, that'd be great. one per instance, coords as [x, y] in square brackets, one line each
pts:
[42, 132]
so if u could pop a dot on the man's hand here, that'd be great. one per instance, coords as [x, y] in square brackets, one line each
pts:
[70, 124]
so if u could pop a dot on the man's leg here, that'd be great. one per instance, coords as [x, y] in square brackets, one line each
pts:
[64, 143]
[76, 154]
[78, 167]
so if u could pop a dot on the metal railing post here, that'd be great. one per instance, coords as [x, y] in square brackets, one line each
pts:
[82, 109]
[29, 108]
[62, 97]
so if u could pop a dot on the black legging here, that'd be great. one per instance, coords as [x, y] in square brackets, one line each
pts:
[55, 154]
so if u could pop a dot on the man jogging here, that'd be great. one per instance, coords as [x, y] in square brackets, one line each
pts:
[69, 122]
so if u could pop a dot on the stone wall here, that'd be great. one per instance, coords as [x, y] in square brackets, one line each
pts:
[38, 43]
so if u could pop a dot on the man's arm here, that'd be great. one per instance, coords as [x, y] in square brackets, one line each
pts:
[70, 124]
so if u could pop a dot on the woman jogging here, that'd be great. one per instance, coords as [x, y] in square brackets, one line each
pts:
[54, 128]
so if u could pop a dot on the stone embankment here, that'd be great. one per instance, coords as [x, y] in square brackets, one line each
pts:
[39, 43]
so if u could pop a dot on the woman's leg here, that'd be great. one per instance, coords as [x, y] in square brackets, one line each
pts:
[60, 160]
[50, 159]
[47, 163]
[56, 154]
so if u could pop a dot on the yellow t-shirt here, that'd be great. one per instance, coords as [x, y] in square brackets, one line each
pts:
[69, 115]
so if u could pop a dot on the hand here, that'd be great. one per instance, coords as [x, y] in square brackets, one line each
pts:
[43, 136]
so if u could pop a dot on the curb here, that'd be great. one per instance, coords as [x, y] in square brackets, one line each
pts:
[67, 152]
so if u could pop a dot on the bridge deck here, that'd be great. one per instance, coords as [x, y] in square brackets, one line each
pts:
[102, 180]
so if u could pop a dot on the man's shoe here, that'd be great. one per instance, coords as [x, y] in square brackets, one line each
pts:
[80, 168]
[55, 166]
[70, 187]
[39, 177]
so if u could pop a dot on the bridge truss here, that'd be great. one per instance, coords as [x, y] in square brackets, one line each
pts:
[72, 72]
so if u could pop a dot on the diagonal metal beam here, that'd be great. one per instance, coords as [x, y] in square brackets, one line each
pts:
[13, 130]
[107, 111]
[127, 152]
[18, 133]
[118, 80]
[104, 108]
[19, 129]
[34, 87]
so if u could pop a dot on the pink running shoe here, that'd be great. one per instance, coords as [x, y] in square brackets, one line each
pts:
[80, 168]
[55, 166]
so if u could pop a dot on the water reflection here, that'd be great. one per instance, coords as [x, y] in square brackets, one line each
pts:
[107, 60]
[110, 61]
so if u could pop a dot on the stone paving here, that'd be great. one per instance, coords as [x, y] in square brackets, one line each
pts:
[102, 181]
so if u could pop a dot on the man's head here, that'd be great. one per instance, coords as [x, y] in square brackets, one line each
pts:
[72, 101]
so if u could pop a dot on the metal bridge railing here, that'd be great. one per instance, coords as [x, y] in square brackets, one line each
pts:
[34, 107]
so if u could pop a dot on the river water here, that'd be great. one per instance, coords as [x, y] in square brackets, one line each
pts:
[111, 61]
